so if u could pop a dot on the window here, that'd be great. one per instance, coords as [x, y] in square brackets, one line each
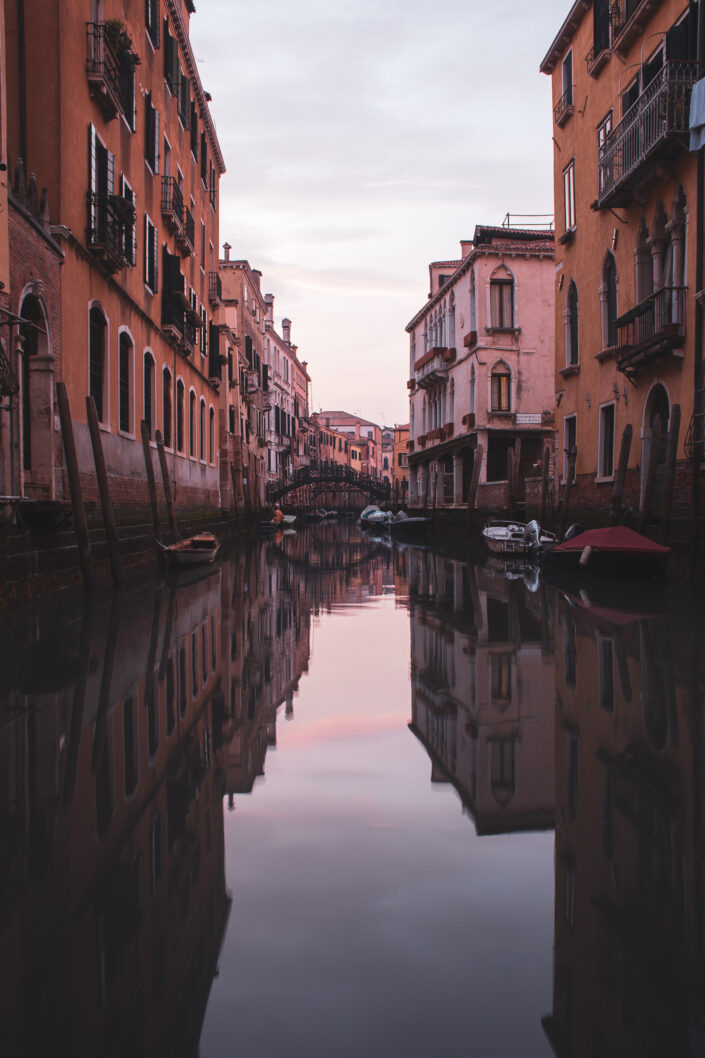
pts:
[606, 441]
[152, 135]
[501, 676]
[125, 382]
[128, 95]
[567, 80]
[194, 130]
[202, 430]
[570, 435]
[171, 60]
[211, 434]
[166, 406]
[608, 296]
[151, 19]
[192, 423]
[180, 415]
[126, 228]
[569, 196]
[102, 221]
[572, 321]
[502, 300]
[151, 255]
[204, 159]
[148, 393]
[603, 131]
[501, 383]
[96, 356]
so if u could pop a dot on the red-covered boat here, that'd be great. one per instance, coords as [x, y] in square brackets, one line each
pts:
[616, 551]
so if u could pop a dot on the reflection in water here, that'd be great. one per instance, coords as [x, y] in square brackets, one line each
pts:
[125, 730]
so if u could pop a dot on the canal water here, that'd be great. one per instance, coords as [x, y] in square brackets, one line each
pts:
[340, 796]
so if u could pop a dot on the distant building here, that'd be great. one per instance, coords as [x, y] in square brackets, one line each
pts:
[368, 436]
[400, 464]
[286, 399]
[481, 367]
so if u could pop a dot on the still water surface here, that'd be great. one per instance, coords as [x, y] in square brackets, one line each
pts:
[338, 797]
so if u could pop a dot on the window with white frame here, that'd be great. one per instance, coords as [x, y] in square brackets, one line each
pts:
[152, 134]
[606, 441]
[127, 228]
[572, 327]
[151, 255]
[603, 131]
[125, 387]
[502, 299]
[148, 393]
[569, 196]
[500, 395]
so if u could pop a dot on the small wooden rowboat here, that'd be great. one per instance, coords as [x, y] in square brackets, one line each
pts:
[198, 550]
[616, 551]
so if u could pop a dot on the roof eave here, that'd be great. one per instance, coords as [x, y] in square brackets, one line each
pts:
[565, 33]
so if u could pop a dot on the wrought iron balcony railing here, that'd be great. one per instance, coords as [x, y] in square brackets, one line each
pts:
[621, 14]
[564, 107]
[185, 238]
[103, 68]
[215, 288]
[110, 230]
[657, 121]
[652, 328]
[172, 203]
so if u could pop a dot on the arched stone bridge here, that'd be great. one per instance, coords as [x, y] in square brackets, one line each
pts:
[329, 476]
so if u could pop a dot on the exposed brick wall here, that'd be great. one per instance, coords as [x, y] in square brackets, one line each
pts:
[596, 497]
[33, 258]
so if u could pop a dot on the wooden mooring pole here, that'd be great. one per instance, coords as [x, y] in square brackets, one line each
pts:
[621, 475]
[544, 483]
[475, 479]
[669, 479]
[572, 459]
[167, 483]
[151, 483]
[79, 511]
[104, 489]
[650, 472]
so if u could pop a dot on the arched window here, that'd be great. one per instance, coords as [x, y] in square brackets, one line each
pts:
[192, 423]
[502, 299]
[96, 357]
[571, 326]
[202, 429]
[501, 387]
[148, 393]
[472, 388]
[180, 415]
[166, 407]
[609, 302]
[211, 434]
[125, 383]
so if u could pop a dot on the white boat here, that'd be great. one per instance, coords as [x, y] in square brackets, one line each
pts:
[516, 538]
[198, 550]
[373, 516]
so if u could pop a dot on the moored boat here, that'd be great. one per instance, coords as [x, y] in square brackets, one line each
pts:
[516, 538]
[615, 551]
[405, 528]
[198, 550]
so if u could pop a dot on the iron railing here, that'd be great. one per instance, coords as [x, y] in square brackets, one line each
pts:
[660, 114]
[621, 12]
[102, 65]
[215, 288]
[172, 200]
[652, 327]
[189, 228]
[562, 107]
[109, 231]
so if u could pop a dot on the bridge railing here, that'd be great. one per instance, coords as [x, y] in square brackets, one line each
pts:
[328, 473]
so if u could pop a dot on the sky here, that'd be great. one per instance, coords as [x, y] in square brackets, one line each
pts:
[364, 139]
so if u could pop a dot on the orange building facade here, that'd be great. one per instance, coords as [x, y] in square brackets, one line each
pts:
[626, 249]
[106, 106]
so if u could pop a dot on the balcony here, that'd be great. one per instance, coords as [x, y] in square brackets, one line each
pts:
[655, 126]
[215, 289]
[172, 203]
[563, 108]
[110, 227]
[628, 18]
[187, 343]
[656, 327]
[185, 237]
[102, 69]
[596, 59]
[430, 368]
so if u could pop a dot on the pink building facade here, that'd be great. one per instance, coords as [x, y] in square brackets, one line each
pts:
[481, 368]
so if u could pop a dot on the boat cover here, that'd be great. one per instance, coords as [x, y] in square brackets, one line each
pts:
[614, 538]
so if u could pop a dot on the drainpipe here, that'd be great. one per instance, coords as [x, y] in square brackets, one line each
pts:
[698, 336]
[22, 87]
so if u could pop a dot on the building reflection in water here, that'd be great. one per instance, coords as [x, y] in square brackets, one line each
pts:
[482, 699]
[629, 928]
[113, 902]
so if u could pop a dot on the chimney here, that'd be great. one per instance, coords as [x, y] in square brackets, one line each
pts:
[304, 364]
[269, 299]
[465, 247]
[294, 348]
[226, 249]
[286, 331]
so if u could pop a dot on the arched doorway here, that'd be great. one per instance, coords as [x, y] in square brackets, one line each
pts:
[35, 370]
[657, 412]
